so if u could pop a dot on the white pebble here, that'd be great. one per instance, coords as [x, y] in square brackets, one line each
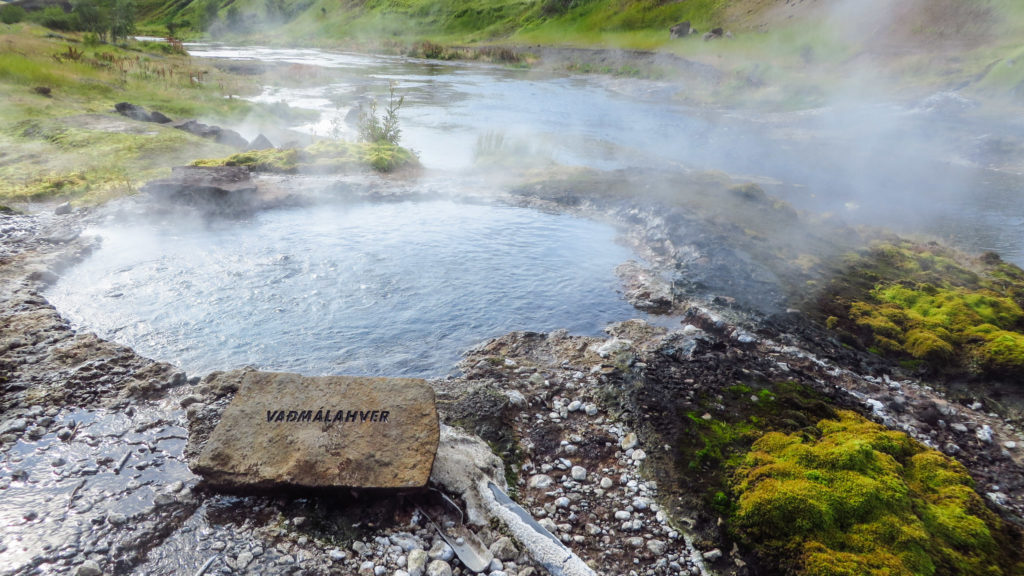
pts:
[579, 473]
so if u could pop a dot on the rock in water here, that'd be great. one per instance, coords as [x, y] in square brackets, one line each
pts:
[330, 431]
[261, 142]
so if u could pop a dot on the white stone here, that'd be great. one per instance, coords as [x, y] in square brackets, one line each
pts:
[18, 425]
[638, 455]
[606, 483]
[439, 568]
[540, 481]
[562, 502]
[441, 551]
[243, 559]
[613, 346]
[575, 406]
[622, 515]
[1010, 445]
[417, 562]
[579, 473]
[407, 542]
[629, 441]
[516, 398]
[88, 568]
[984, 434]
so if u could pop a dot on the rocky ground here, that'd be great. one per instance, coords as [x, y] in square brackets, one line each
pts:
[94, 478]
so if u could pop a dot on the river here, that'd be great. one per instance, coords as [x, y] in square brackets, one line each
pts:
[403, 288]
[918, 166]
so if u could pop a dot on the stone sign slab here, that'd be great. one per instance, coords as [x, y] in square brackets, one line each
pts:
[328, 431]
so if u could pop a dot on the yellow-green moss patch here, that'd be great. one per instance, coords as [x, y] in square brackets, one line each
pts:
[854, 498]
[927, 303]
[323, 156]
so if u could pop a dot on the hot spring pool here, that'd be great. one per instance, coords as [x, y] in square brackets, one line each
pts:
[384, 289]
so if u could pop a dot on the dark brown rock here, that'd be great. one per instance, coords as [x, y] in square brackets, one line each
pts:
[216, 188]
[681, 30]
[330, 431]
[215, 133]
[261, 142]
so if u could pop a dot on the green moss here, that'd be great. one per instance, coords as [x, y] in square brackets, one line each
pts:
[269, 160]
[927, 345]
[1000, 350]
[717, 437]
[321, 157]
[932, 305]
[862, 499]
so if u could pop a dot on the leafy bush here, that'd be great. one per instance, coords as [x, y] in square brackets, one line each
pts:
[12, 14]
[54, 18]
[864, 500]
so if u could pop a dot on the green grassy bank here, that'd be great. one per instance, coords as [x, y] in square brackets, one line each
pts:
[59, 135]
[782, 55]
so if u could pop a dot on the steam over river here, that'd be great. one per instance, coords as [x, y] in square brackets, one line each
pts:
[916, 166]
[403, 288]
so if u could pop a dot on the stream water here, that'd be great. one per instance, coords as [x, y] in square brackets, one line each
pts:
[915, 166]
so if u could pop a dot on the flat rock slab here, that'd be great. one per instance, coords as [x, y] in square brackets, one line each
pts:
[329, 431]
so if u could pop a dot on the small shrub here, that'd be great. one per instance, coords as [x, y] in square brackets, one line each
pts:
[54, 18]
[377, 129]
[12, 14]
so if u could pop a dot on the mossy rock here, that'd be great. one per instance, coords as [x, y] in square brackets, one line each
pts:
[862, 499]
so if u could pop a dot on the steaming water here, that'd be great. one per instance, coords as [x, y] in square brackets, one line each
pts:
[911, 166]
[376, 289]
